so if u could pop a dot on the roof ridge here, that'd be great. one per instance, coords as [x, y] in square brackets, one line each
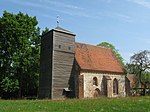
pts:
[94, 45]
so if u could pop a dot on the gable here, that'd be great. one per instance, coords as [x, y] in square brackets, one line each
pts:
[97, 58]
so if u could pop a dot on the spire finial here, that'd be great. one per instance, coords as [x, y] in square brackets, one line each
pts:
[57, 20]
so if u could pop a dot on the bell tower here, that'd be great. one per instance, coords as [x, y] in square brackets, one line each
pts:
[56, 64]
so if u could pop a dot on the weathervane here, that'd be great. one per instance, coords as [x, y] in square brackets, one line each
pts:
[57, 20]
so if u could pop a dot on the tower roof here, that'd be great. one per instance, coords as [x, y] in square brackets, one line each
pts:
[59, 29]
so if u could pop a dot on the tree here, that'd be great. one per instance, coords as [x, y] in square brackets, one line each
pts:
[19, 51]
[9, 86]
[45, 31]
[141, 68]
[115, 51]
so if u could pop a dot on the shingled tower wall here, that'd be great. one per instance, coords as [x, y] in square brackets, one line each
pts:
[56, 64]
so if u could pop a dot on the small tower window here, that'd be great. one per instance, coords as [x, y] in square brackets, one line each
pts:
[59, 46]
[69, 48]
[115, 86]
[95, 82]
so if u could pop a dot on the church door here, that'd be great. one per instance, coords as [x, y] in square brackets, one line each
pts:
[97, 92]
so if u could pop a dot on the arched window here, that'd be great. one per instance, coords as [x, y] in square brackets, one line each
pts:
[104, 86]
[115, 86]
[95, 81]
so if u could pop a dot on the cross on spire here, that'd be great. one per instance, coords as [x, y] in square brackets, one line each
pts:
[57, 20]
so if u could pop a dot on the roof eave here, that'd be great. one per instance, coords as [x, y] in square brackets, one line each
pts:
[64, 31]
[104, 71]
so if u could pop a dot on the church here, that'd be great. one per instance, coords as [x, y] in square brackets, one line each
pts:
[70, 69]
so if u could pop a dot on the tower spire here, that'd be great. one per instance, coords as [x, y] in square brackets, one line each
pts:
[57, 20]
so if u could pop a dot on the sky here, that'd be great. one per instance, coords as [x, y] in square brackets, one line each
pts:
[123, 23]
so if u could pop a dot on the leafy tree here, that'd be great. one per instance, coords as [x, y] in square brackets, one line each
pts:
[108, 45]
[9, 86]
[45, 31]
[140, 66]
[19, 51]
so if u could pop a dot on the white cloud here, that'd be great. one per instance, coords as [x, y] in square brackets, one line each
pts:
[120, 16]
[144, 3]
[57, 7]
[71, 10]
[43, 3]
[30, 4]
[64, 5]
[68, 9]
[123, 17]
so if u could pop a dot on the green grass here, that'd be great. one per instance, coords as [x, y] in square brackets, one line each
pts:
[128, 104]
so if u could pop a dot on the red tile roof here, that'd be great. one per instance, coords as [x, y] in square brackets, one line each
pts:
[97, 58]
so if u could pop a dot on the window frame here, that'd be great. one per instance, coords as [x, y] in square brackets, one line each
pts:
[95, 81]
[115, 86]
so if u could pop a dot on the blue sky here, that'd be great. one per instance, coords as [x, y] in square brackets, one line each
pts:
[123, 23]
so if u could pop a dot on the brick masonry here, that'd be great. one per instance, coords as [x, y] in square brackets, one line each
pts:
[89, 88]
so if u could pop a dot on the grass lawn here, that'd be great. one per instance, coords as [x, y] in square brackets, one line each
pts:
[128, 104]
